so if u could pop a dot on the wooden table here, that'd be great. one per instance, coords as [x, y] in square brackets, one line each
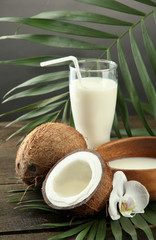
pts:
[16, 224]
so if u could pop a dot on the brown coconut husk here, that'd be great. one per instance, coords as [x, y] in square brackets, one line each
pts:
[101, 196]
[98, 198]
[42, 148]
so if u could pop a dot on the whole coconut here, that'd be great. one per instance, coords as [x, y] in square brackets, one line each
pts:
[42, 148]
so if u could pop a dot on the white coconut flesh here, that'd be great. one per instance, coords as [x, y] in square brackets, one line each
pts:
[73, 179]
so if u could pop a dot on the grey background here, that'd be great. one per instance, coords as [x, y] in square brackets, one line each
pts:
[11, 76]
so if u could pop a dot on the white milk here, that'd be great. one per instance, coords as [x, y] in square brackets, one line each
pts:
[134, 163]
[93, 106]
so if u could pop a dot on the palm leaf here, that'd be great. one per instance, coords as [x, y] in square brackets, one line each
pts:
[64, 22]
[34, 61]
[82, 17]
[71, 119]
[65, 113]
[37, 105]
[42, 207]
[101, 229]
[115, 122]
[19, 191]
[38, 112]
[137, 132]
[150, 216]
[142, 224]
[124, 112]
[116, 126]
[154, 13]
[131, 87]
[31, 201]
[92, 232]
[45, 78]
[52, 117]
[128, 227]
[38, 90]
[83, 233]
[151, 51]
[146, 81]
[147, 2]
[68, 224]
[116, 230]
[62, 27]
[113, 5]
[62, 224]
[72, 231]
[54, 41]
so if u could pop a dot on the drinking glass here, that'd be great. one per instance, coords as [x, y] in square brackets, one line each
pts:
[93, 99]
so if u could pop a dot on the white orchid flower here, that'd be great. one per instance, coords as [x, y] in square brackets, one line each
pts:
[127, 197]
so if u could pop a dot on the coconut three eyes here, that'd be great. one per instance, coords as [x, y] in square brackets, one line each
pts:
[80, 181]
[42, 148]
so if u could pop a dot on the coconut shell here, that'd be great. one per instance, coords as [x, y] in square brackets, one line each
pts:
[99, 199]
[96, 201]
[42, 148]
[101, 196]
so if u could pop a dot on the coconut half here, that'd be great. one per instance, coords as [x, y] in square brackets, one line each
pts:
[78, 179]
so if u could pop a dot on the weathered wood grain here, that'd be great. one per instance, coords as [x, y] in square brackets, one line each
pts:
[6, 132]
[12, 220]
[31, 236]
[7, 165]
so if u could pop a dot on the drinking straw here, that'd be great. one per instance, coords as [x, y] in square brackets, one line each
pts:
[65, 59]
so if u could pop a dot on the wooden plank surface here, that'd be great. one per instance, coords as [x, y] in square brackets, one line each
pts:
[18, 224]
[7, 163]
[12, 220]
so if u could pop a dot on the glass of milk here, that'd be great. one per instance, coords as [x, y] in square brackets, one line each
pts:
[93, 99]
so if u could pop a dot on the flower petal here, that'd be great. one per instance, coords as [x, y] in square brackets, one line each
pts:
[139, 193]
[119, 180]
[128, 214]
[113, 208]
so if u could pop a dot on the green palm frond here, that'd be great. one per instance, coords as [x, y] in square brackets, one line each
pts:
[151, 51]
[142, 224]
[113, 5]
[34, 61]
[61, 27]
[81, 16]
[131, 87]
[55, 41]
[101, 228]
[144, 76]
[116, 229]
[75, 34]
[128, 227]
[45, 78]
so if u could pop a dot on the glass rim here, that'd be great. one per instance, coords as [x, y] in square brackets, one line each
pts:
[93, 60]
